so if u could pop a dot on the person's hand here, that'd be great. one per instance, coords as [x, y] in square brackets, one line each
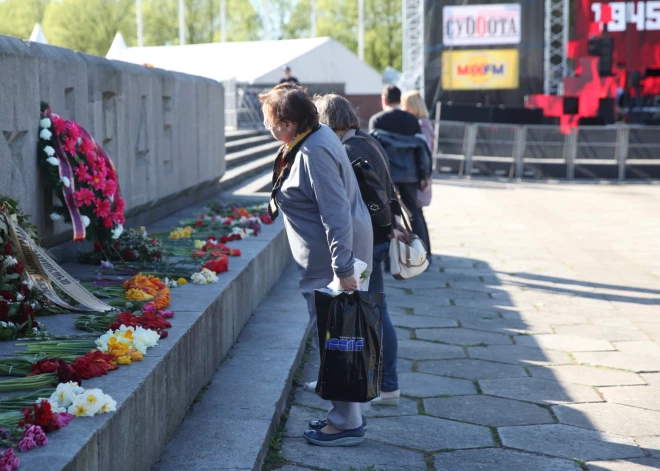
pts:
[399, 235]
[348, 283]
[424, 184]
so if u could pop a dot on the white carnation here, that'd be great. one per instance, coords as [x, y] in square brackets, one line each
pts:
[66, 182]
[55, 217]
[45, 123]
[45, 134]
[198, 279]
[85, 221]
[49, 151]
[117, 231]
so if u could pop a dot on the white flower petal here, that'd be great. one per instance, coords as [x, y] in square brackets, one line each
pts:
[45, 134]
[53, 161]
[49, 151]
[45, 123]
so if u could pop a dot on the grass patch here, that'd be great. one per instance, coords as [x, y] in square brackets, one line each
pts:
[409, 310]
[496, 436]
[452, 302]
[476, 385]
[200, 394]
[370, 468]
[408, 291]
[582, 463]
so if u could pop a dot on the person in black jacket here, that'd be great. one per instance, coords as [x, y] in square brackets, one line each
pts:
[410, 158]
[337, 112]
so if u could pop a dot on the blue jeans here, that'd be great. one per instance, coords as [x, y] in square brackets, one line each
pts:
[376, 285]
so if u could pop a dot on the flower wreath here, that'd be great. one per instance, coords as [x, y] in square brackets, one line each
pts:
[75, 164]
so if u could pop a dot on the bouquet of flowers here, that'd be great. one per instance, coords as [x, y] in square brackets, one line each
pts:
[132, 246]
[84, 177]
[19, 300]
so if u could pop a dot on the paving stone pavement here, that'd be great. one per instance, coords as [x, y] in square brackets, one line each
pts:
[532, 342]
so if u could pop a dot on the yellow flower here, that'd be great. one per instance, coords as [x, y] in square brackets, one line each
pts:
[182, 281]
[199, 244]
[135, 355]
[135, 294]
[124, 360]
[80, 410]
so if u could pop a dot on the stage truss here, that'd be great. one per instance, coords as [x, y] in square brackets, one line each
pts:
[557, 28]
[412, 26]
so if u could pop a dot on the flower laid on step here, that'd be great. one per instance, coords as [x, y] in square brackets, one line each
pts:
[182, 233]
[148, 288]
[9, 461]
[33, 437]
[42, 414]
[204, 277]
[219, 264]
[80, 402]
[150, 319]
[94, 364]
[83, 177]
[131, 246]
[125, 342]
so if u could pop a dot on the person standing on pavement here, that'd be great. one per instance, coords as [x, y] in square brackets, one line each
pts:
[413, 103]
[337, 112]
[327, 223]
[288, 78]
[410, 157]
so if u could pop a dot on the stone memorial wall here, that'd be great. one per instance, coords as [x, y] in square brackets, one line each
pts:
[163, 130]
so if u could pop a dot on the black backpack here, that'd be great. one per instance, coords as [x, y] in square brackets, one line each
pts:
[371, 187]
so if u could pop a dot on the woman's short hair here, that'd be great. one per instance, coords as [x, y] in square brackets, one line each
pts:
[413, 103]
[337, 112]
[289, 102]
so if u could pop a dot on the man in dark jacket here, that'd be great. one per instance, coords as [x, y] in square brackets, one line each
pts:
[410, 158]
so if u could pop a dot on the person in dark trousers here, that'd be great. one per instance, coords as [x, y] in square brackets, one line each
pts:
[337, 112]
[288, 78]
[410, 157]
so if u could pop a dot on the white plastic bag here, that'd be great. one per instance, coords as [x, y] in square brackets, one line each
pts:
[361, 275]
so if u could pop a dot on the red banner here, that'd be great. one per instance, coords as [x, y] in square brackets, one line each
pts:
[634, 25]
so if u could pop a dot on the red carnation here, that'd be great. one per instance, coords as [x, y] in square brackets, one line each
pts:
[98, 182]
[69, 145]
[18, 268]
[218, 265]
[84, 196]
[82, 173]
[110, 188]
[118, 217]
[102, 208]
[224, 239]
[199, 222]
[87, 148]
[8, 247]
[74, 130]
[128, 255]
[7, 295]
[59, 124]
[107, 222]
[198, 254]
[98, 245]
[24, 290]
[266, 219]
[235, 252]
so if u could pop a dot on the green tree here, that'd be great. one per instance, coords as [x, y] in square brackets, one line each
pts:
[338, 19]
[18, 17]
[202, 21]
[89, 25]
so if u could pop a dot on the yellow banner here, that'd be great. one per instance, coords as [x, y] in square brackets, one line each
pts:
[481, 69]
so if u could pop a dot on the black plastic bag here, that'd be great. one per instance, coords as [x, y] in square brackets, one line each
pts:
[350, 330]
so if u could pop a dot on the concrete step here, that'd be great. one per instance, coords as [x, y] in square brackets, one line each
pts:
[230, 428]
[231, 135]
[154, 395]
[240, 157]
[247, 142]
[260, 184]
[235, 176]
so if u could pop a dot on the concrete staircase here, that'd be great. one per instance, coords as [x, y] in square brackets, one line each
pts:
[249, 156]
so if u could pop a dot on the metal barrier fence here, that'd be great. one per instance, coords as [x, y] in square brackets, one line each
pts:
[620, 146]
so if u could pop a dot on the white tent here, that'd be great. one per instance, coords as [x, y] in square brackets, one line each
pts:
[38, 35]
[315, 60]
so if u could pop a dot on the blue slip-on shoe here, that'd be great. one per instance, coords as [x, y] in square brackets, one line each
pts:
[319, 424]
[346, 438]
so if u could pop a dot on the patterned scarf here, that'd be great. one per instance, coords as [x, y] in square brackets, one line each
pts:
[282, 167]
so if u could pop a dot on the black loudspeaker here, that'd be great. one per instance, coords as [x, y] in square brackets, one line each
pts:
[571, 105]
[606, 110]
[603, 48]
